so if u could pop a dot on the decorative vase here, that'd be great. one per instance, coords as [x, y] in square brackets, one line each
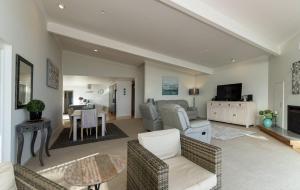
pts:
[268, 123]
[35, 116]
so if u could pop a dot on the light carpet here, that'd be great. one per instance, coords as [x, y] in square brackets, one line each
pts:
[226, 133]
[247, 163]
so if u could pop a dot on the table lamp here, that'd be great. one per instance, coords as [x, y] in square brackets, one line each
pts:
[194, 92]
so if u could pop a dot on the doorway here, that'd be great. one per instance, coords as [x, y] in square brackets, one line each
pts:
[68, 100]
[133, 99]
[278, 103]
[6, 86]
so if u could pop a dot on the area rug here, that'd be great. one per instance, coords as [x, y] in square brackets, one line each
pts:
[227, 133]
[112, 132]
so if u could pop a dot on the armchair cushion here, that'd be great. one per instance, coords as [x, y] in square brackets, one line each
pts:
[164, 144]
[7, 177]
[186, 175]
[199, 123]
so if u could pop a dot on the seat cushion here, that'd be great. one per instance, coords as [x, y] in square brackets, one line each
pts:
[186, 175]
[164, 144]
[7, 176]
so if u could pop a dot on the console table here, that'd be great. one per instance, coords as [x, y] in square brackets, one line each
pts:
[34, 127]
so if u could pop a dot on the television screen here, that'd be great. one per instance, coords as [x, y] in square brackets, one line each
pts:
[231, 92]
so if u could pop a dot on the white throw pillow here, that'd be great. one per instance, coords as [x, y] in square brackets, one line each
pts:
[7, 176]
[164, 144]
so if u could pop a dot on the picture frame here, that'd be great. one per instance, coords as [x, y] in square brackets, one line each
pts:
[170, 86]
[52, 75]
[296, 78]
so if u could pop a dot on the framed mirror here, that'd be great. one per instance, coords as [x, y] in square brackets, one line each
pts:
[24, 82]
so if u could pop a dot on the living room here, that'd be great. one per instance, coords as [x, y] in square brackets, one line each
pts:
[173, 50]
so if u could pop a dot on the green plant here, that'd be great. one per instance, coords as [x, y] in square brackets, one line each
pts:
[35, 106]
[268, 114]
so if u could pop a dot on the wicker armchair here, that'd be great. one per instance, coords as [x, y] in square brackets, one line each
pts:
[145, 171]
[30, 180]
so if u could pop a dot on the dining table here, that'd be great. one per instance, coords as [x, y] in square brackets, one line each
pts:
[77, 115]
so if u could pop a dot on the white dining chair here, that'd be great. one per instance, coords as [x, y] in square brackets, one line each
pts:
[89, 120]
[70, 112]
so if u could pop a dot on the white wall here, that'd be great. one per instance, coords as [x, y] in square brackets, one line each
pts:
[280, 70]
[253, 74]
[90, 94]
[84, 65]
[24, 27]
[153, 82]
[123, 98]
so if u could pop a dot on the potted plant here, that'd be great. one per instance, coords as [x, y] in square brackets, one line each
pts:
[35, 108]
[267, 117]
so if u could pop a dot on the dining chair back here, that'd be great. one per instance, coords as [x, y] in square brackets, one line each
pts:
[89, 120]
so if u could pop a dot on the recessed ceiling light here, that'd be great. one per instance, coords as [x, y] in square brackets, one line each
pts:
[61, 6]
[95, 50]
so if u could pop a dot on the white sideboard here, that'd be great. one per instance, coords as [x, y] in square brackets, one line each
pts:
[240, 113]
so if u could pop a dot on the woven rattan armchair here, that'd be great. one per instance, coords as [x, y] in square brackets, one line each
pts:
[145, 171]
[30, 180]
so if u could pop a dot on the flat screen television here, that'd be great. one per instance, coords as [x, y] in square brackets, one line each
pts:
[230, 92]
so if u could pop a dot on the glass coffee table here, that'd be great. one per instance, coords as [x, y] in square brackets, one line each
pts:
[94, 170]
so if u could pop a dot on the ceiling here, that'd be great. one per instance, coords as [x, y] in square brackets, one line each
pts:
[74, 80]
[102, 52]
[277, 21]
[152, 25]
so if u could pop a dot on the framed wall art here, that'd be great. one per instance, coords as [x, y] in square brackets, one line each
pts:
[296, 78]
[170, 86]
[52, 75]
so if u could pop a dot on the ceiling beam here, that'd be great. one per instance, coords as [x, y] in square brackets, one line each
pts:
[212, 17]
[124, 47]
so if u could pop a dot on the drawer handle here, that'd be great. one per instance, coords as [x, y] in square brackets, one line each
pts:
[203, 133]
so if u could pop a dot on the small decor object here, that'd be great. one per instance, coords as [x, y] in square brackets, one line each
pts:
[267, 117]
[170, 86]
[52, 75]
[35, 108]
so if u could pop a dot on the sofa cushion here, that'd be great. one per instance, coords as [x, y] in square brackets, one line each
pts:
[186, 175]
[199, 123]
[164, 144]
[7, 176]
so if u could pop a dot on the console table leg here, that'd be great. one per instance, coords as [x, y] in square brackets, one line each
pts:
[20, 147]
[49, 133]
[42, 146]
[32, 143]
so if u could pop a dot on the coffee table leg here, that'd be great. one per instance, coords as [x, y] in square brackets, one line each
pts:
[97, 187]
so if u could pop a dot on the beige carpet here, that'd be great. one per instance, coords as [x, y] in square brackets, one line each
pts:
[256, 162]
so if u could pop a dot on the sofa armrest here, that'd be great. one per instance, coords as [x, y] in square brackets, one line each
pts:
[205, 155]
[144, 169]
[27, 179]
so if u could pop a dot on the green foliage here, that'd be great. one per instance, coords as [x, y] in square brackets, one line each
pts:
[268, 114]
[35, 106]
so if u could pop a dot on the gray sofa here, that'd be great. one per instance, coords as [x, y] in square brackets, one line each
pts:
[151, 117]
[151, 113]
[174, 116]
[191, 111]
